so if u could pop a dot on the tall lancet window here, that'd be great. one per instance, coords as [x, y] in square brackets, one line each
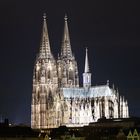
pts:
[50, 99]
[111, 109]
[49, 70]
[49, 74]
[59, 71]
[71, 74]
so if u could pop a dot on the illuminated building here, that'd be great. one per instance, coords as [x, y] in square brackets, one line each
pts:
[57, 98]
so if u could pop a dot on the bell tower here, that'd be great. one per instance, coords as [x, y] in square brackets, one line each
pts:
[45, 85]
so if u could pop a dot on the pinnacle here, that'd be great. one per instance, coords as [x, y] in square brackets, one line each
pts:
[44, 16]
[86, 62]
[65, 18]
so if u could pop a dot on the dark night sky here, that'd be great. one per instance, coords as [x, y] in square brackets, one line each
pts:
[110, 30]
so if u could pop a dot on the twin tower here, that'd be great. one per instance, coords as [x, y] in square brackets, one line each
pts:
[51, 75]
[62, 72]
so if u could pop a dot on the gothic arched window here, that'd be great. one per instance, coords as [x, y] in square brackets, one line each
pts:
[49, 74]
[50, 99]
[71, 75]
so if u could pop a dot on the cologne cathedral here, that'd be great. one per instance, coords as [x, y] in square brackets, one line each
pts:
[57, 98]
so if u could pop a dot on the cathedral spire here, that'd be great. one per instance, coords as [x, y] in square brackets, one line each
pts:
[66, 46]
[45, 51]
[86, 62]
[86, 74]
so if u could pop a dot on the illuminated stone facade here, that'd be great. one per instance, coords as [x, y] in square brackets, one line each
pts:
[57, 98]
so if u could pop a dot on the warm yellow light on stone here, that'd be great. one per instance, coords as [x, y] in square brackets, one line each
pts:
[57, 98]
[37, 67]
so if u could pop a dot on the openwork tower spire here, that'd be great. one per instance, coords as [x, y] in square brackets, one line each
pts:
[86, 62]
[45, 51]
[66, 46]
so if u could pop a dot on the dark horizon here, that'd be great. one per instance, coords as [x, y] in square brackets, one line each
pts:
[110, 31]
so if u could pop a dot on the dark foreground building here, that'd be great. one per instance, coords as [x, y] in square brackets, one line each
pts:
[103, 129]
[113, 129]
[12, 132]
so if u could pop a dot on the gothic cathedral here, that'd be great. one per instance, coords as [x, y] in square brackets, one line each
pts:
[57, 98]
